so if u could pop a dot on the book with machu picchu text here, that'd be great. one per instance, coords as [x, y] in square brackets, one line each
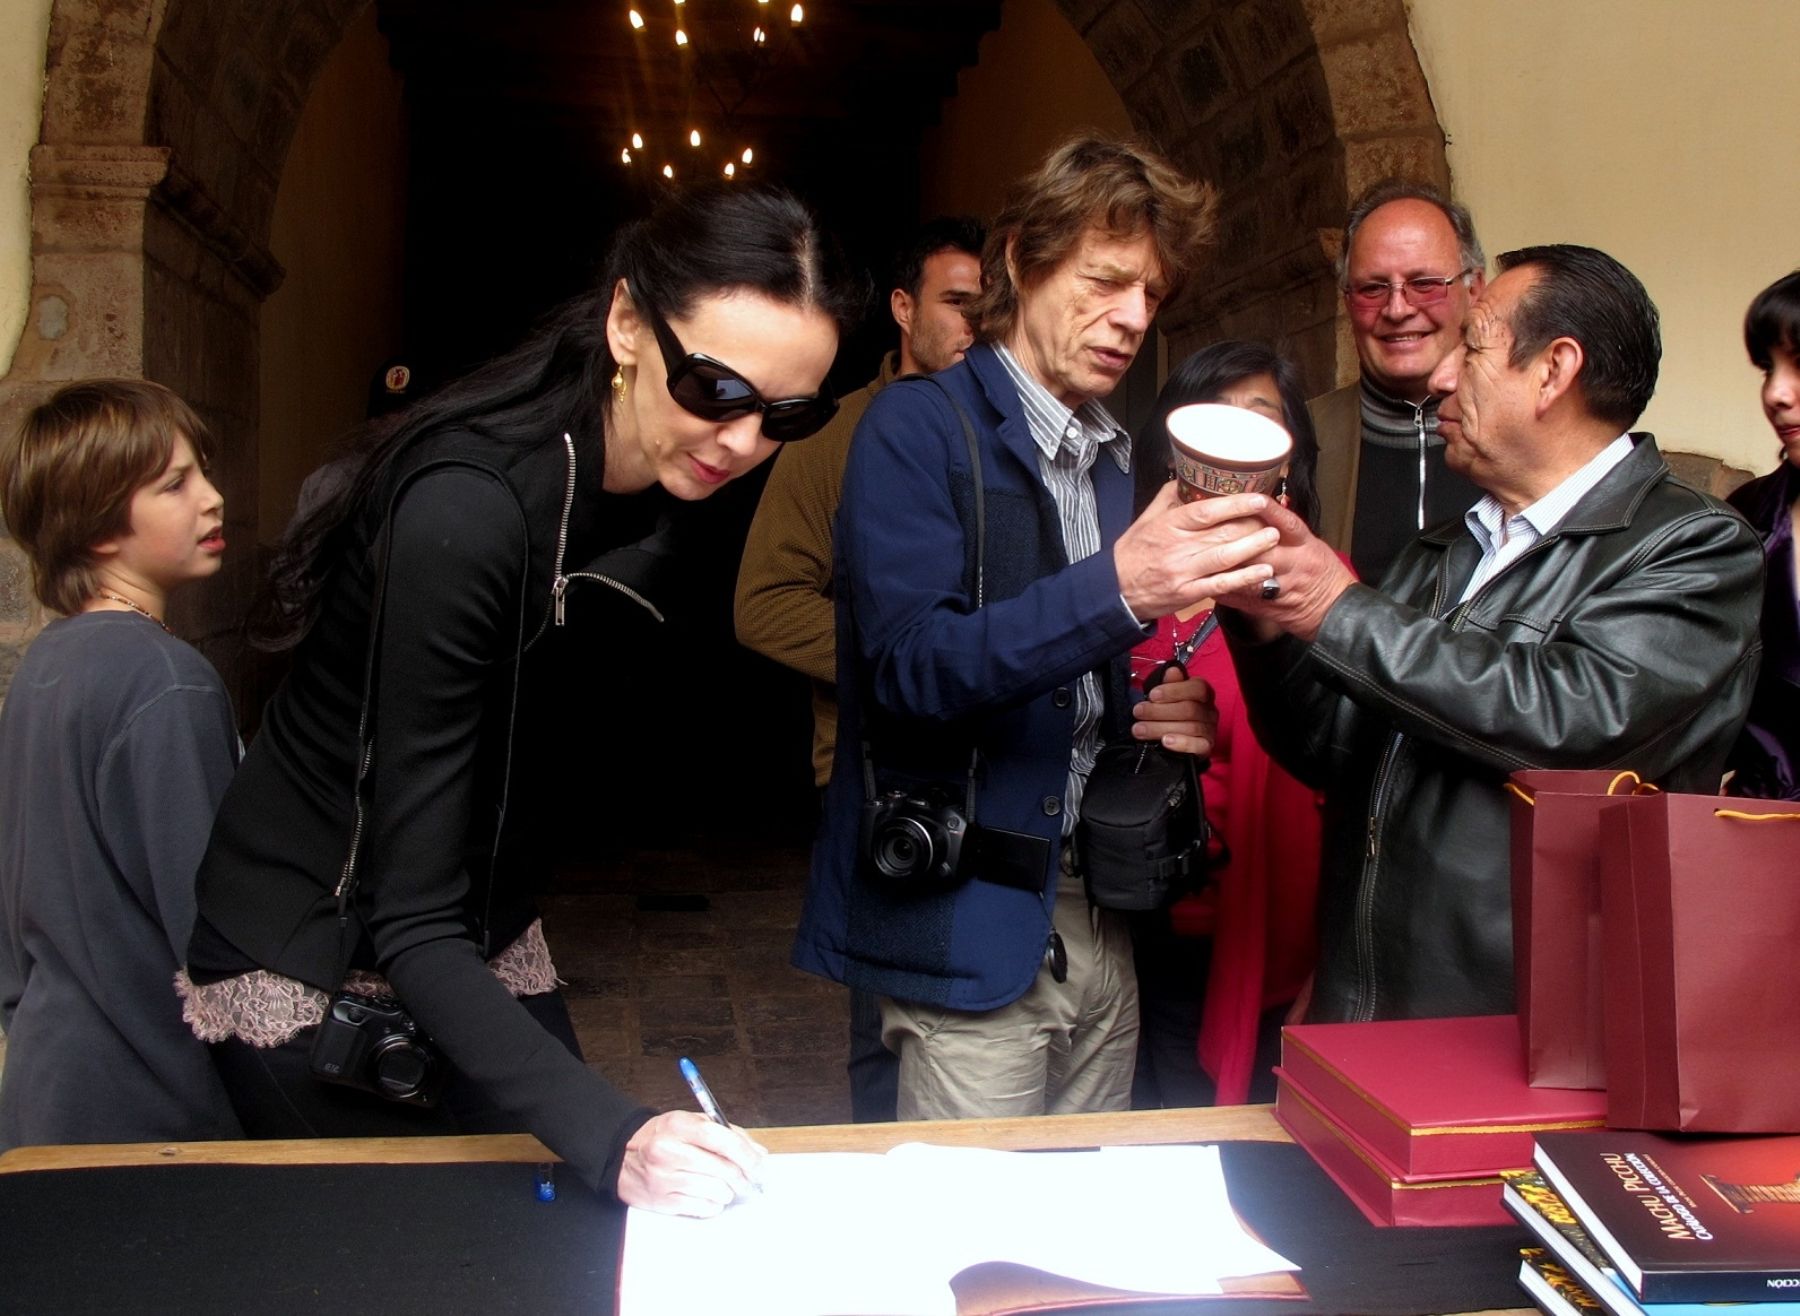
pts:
[1686, 1219]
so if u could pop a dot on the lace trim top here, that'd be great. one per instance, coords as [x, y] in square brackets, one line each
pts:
[266, 1009]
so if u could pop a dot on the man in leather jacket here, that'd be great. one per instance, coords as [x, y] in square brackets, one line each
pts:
[1590, 612]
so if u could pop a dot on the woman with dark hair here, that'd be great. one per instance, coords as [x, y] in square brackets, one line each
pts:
[1218, 971]
[1767, 757]
[368, 957]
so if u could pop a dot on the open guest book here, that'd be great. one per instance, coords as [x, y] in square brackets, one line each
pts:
[936, 1231]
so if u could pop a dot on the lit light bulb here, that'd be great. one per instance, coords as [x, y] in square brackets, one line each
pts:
[637, 141]
[680, 37]
[637, 21]
[625, 156]
[668, 171]
[759, 36]
[749, 155]
[730, 170]
[694, 137]
[796, 14]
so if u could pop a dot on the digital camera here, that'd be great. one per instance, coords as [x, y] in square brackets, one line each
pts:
[914, 838]
[368, 1043]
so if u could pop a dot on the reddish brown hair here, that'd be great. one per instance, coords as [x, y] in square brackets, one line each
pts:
[68, 477]
[1119, 187]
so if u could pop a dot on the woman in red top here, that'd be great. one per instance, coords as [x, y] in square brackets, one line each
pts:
[1218, 972]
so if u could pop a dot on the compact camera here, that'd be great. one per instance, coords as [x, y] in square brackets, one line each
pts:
[367, 1043]
[914, 838]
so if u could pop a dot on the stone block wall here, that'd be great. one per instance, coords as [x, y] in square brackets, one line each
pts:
[1290, 107]
[165, 126]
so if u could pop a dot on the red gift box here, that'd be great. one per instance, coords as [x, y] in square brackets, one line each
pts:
[1434, 1096]
[1377, 1186]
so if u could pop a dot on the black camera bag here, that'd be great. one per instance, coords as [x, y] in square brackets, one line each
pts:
[1141, 841]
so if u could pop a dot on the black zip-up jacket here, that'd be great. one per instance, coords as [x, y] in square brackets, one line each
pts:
[465, 713]
[1626, 638]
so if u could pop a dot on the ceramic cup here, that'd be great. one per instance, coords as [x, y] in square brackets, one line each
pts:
[1225, 450]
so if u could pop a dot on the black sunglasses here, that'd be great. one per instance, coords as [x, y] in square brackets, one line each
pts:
[714, 391]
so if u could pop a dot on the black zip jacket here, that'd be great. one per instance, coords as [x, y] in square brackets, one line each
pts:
[479, 535]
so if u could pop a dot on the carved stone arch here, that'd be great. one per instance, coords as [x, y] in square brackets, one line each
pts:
[1291, 107]
[165, 127]
[167, 123]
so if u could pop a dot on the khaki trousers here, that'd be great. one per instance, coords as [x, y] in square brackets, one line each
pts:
[1062, 1048]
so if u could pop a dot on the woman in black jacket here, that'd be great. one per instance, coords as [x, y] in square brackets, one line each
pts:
[371, 871]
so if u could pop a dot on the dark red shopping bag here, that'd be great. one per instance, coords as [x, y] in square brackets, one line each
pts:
[1702, 956]
[1556, 921]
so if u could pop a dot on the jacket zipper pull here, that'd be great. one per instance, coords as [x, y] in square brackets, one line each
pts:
[1372, 826]
[558, 590]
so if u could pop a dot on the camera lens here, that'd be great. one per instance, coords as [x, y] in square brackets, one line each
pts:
[401, 1068]
[904, 848]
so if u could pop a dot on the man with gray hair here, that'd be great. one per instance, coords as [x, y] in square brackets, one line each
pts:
[1409, 269]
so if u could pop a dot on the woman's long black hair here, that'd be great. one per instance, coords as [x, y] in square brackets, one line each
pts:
[701, 241]
[1204, 377]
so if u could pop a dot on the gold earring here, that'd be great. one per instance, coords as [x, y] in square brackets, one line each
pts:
[618, 384]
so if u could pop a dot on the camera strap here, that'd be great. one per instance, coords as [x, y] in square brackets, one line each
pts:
[868, 758]
[1007, 858]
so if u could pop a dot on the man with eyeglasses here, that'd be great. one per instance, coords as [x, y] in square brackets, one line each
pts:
[784, 607]
[983, 629]
[1409, 269]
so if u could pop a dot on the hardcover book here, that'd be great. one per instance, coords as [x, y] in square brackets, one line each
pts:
[1435, 1096]
[1686, 1219]
[1542, 1211]
[1554, 1289]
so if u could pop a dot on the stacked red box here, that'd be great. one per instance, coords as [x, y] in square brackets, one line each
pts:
[1415, 1118]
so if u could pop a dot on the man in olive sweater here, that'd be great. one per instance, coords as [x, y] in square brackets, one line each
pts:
[784, 585]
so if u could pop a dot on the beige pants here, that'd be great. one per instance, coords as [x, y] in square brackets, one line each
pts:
[1062, 1048]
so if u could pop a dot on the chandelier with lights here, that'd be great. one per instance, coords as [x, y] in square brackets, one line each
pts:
[651, 31]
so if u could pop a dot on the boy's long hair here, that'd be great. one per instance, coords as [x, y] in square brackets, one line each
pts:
[71, 471]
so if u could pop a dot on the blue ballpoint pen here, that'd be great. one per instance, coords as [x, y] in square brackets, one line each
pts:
[690, 1072]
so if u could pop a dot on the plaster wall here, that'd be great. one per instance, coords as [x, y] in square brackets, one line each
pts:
[339, 231]
[24, 32]
[1656, 130]
[1035, 82]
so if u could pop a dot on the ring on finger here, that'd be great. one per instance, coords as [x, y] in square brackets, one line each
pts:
[1271, 590]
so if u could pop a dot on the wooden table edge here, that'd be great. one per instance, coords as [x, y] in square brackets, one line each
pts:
[1213, 1124]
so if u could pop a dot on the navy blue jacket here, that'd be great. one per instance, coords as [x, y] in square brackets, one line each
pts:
[929, 676]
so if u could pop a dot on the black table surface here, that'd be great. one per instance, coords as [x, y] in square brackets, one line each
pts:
[268, 1239]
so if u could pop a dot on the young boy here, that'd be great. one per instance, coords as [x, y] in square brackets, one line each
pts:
[116, 743]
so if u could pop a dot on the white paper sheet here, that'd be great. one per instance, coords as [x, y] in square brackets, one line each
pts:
[837, 1233]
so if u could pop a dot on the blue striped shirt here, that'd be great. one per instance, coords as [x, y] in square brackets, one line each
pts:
[1067, 444]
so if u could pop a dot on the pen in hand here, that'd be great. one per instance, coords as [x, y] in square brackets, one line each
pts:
[690, 1073]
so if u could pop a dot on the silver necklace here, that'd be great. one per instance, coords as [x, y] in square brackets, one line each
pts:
[135, 607]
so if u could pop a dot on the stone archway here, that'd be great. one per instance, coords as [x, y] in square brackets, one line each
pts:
[164, 130]
[1291, 107]
[167, 122]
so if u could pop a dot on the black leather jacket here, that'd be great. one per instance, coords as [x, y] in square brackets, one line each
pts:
[1626, 638]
